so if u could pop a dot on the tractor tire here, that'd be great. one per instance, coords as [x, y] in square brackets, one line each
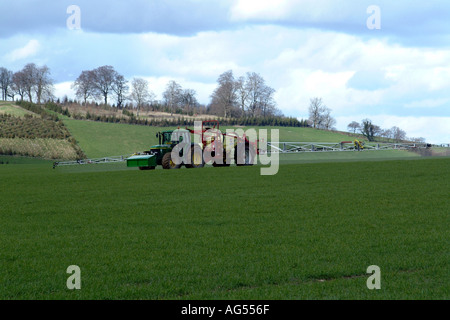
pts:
[167, 162]
[146, 168]
[195, 155]
[224, 161]
[249, 155]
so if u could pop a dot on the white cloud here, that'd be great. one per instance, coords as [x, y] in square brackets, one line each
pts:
[316, 11]
[260, 9]
[324, 62]
[29, 50]
[64, 89]
[427, 103]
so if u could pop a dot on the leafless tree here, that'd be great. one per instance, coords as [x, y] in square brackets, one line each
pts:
[103, 81]
[316, 112]
[43, 83]
[172, 95]
[120, 88]
[224, 97]
[260, 96]
[5, 82]
[189, 100]
[353, 126]
[242, 94]
[19, 84]
[327, 121]
[267, 101]
[245, 96]
[255, 88]
[398, 134]
[418, 140]
[84, 85]
[140, 92]
[386, 133]
[30, 75]
[37, 82]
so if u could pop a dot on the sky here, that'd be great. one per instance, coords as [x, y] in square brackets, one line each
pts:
[388, 61]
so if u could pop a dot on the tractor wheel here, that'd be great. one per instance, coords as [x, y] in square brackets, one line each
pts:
[167, 162]
[146, 168]
[195, 154]
[249, 156]
[224, 161]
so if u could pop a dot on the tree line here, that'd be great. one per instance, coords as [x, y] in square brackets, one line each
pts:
[320, 117]
[32, 82]
[131, 118]
[242, 97]
[245, 96]
[370, 130]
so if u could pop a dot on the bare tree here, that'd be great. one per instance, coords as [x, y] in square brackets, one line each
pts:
[386, 133]
[224, 97]
[84, 86]
[260, 96]
[29, 77]
[172, 95]
[120, 88]
[43, 83]
[316, 112]
[37, 82]
[140, 92]
[19, 84]
[242, 94]
[104, 80]
[418, 140]
[5, 82]
[245, 96]
[353, 126]
[267, 102]
[255, 87]
[327, 121]
[398, 134]
[189, 100]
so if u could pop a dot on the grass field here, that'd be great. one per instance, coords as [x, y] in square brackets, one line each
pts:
[315, 157]
[12, 109]
[122, 139]
[100, 139]
[309, 232]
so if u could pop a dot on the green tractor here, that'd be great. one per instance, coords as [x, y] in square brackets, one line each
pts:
[208, 134]
[160, 154]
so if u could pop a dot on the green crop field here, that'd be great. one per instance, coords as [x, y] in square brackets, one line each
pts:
[314, 157]
[309, 232]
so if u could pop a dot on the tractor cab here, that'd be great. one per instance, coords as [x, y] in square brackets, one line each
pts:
[165, 138]
[172, 138]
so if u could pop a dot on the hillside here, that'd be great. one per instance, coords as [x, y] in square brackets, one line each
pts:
[14, 110]
[30, 130]
[43, 135]
[50, 133]
[113, 139]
